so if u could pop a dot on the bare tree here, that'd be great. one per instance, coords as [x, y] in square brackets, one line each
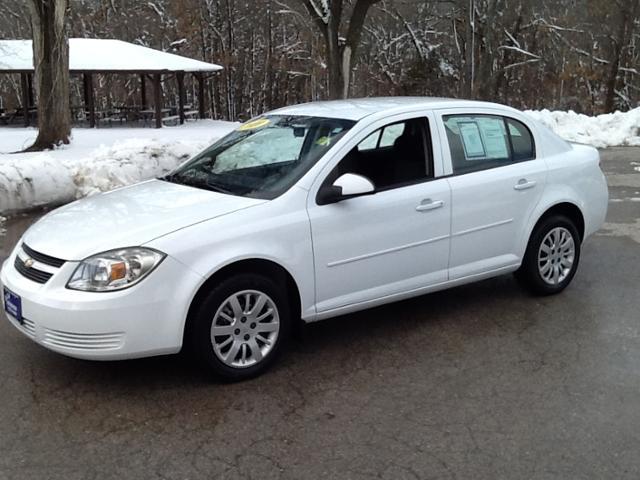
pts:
[341, 52]
[561, 54]
[51, 62]
[627, 12]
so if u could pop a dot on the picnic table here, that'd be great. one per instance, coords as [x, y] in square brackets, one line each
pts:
[8, 118]
[119, 114]
[149, 114]
[174, 117]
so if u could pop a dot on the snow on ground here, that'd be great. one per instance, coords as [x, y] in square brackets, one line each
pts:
[608, 130]
[102, 159]
[97, 160]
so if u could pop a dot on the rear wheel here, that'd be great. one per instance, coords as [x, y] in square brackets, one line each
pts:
[552, 256]
[241, 326]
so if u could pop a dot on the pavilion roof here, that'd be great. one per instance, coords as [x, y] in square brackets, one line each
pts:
[102, 56]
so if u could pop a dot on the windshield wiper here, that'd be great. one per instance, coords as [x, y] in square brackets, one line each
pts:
[216, 187]
[169, 177]
[190, 182]
[196, 183]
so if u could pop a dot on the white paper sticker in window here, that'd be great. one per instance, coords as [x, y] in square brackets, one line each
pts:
[471, 140]
[494, 137]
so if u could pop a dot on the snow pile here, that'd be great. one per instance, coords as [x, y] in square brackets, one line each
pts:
[33, 181]
[102, 159]
[608, 130]
[129, 162]
[96, 161]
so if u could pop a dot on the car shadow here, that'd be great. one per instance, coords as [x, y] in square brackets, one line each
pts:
[321, 346]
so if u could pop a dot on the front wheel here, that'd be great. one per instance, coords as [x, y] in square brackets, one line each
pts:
[552, 256]
[241, 326]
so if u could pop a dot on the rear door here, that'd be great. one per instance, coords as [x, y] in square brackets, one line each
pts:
[496, 181]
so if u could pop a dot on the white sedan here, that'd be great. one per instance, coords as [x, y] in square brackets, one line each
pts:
[307, 212]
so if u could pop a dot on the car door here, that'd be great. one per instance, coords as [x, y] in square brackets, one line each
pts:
[496, 181]
[392, 241]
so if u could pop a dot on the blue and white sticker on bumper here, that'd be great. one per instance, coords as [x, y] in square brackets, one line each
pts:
[12, 304]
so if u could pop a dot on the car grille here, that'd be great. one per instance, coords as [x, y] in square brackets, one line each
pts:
[33, 274]
[83, 341]
[41, 257]
[39, 273]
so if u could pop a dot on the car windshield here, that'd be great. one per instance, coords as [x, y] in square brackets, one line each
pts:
[264, 157]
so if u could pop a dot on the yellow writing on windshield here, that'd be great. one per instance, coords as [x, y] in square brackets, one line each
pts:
[253, 124]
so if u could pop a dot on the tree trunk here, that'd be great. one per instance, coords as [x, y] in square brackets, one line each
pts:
[627, 19]
[340, 55]
[469, 47]
[354, 33]
[334, 60]
[51, 62]
[490, 39]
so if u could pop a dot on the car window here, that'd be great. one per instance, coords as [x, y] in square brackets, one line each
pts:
[521, 140]
[370, 142]
[390, 134]
[263, 157]
[479, 142]
[268, 146]
[399, 159]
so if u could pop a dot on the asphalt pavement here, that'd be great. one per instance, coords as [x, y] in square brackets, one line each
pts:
[479, 382]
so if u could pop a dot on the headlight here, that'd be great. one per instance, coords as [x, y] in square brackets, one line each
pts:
[114, 270]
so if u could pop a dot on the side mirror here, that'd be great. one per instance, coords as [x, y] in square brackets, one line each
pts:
[346, 186]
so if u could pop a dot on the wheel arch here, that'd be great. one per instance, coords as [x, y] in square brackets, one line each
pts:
[268, 268]
[567, 209]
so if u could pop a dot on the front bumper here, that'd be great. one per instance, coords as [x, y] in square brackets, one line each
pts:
[144, 320]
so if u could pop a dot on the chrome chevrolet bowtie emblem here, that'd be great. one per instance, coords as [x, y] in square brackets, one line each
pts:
[28, 263]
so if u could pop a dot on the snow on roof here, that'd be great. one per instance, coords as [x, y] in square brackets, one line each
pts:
[102, 55]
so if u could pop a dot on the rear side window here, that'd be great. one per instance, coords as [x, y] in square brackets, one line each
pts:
[521, 140]
[480, 142]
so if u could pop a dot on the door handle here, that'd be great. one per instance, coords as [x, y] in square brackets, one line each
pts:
[427, 204]
[524, 184]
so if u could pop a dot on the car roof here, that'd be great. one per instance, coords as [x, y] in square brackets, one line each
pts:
[358, 108]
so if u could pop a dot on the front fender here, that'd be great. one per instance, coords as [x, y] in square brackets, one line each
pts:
[271, 231]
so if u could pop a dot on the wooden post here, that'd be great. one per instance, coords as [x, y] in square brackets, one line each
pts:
[89, 105]
[143, 91]
[85, 92]
[180, 79]
[30, 89]
[200, 95]
[25, 98]
[157, 98]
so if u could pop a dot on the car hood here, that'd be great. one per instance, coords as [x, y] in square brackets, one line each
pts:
[129, 216]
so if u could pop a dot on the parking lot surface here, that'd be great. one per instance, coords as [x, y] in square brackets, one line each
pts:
[479, 382]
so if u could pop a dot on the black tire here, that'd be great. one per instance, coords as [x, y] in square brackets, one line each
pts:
[529, 273]
[205, 312]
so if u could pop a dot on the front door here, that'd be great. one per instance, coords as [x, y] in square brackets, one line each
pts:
[392, 241]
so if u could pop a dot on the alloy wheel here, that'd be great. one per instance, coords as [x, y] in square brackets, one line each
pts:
[245, 328]
[556, 255]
